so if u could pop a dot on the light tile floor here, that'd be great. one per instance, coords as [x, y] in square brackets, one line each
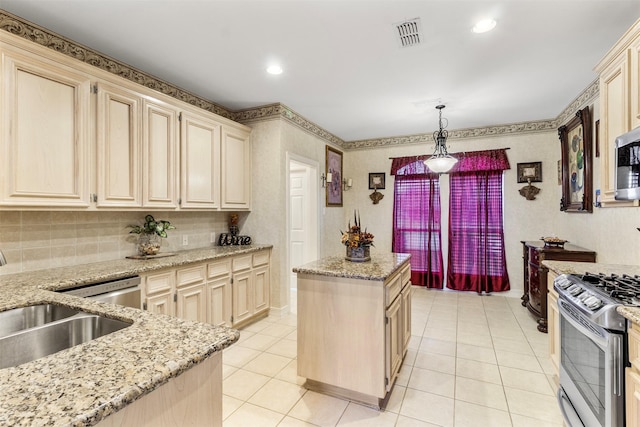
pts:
[473, 360]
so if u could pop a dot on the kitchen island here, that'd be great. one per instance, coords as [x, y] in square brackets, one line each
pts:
[161, 370]
[354, 325]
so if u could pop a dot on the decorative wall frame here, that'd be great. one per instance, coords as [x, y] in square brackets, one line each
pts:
[530, 172]
[333, 164]
[376, 181]
[577, 174]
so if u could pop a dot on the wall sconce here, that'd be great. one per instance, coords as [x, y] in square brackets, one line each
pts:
[347, 184]
[326, 179]
[529, 172]
[529, 191]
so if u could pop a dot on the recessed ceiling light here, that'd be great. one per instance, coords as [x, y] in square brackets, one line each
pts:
[484, 26]
[274, 69]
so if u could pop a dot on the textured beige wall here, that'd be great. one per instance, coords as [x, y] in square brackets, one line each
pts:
[267, 223]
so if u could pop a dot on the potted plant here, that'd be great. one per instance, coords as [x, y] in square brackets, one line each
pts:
[150, 234]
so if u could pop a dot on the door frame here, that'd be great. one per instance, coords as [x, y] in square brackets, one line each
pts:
[313, 167]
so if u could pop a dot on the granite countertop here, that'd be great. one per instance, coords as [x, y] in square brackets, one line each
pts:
[82, 385]
[380, 267]
[566, 267]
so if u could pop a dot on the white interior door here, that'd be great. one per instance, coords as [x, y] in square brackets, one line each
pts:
[303, 220]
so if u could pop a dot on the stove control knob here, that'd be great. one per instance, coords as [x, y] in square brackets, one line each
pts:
[584, 296]
[574, 290]
[593, 303]
[563, 282]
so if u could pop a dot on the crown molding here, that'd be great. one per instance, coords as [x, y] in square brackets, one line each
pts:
[483, 132]
[588, 96]
[281, 111]
[46, 38]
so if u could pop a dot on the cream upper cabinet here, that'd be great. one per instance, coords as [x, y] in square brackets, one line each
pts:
[124, 147]
[44, 142]
[634, 50]
[118, 147]
[619, 73]
[200, 162]
[160, 142]
[236, 169]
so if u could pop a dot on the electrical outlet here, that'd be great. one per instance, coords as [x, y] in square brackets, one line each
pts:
[185, 240]
[213, 237]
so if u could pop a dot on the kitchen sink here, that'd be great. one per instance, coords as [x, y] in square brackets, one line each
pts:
[35, 342]
[23, 318]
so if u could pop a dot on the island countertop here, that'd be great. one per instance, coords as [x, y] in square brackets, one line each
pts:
[85, 383]
[380, 267]
[564, 267]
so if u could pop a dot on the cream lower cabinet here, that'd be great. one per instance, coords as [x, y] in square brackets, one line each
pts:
[219, 292]
[159, 292]
[44, 132]
[191, 302]
[353, 333]
[193, 398]
[212, 292]
[632, 378]
[553, 325]
[251, 286]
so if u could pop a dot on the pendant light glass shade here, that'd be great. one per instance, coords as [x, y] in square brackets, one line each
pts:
[441, 164]
[440, 161]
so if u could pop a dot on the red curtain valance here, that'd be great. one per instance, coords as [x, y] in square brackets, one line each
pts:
[470, 161]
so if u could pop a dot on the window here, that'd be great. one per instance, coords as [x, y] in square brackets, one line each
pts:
[477, 259]
[416, 226]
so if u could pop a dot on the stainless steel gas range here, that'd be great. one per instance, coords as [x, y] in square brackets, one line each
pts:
[593, 350]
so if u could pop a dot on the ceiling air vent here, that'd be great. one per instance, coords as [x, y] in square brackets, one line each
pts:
[409, 32]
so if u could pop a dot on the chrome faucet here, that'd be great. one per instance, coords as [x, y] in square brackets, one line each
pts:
[3, 260]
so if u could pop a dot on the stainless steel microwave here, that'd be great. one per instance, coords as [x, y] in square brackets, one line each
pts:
[627, 167]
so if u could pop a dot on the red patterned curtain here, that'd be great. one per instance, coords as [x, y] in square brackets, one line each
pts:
[416, 220]
[477, 260]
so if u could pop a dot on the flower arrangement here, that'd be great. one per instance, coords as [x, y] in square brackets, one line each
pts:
[151, 226]
[354, 237]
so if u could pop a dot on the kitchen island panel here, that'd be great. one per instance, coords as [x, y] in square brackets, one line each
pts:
[337, 331]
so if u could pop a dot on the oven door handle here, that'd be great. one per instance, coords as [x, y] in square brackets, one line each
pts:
[618, 369]
[569, 414]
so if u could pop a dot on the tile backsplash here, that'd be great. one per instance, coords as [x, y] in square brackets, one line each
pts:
[47, 239]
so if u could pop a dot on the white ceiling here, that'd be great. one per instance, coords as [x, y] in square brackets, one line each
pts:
[343, 67]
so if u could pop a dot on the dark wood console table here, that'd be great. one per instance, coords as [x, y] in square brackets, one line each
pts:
[535, 274]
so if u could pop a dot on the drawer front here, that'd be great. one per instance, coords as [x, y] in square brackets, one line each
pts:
[406, 275]
[191, 275]
[241, 262]
[159, 282]
[261, 258]
[219, 268]
[392, 289]
[534, 256]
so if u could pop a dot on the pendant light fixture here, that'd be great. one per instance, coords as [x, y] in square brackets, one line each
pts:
[440, 161]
